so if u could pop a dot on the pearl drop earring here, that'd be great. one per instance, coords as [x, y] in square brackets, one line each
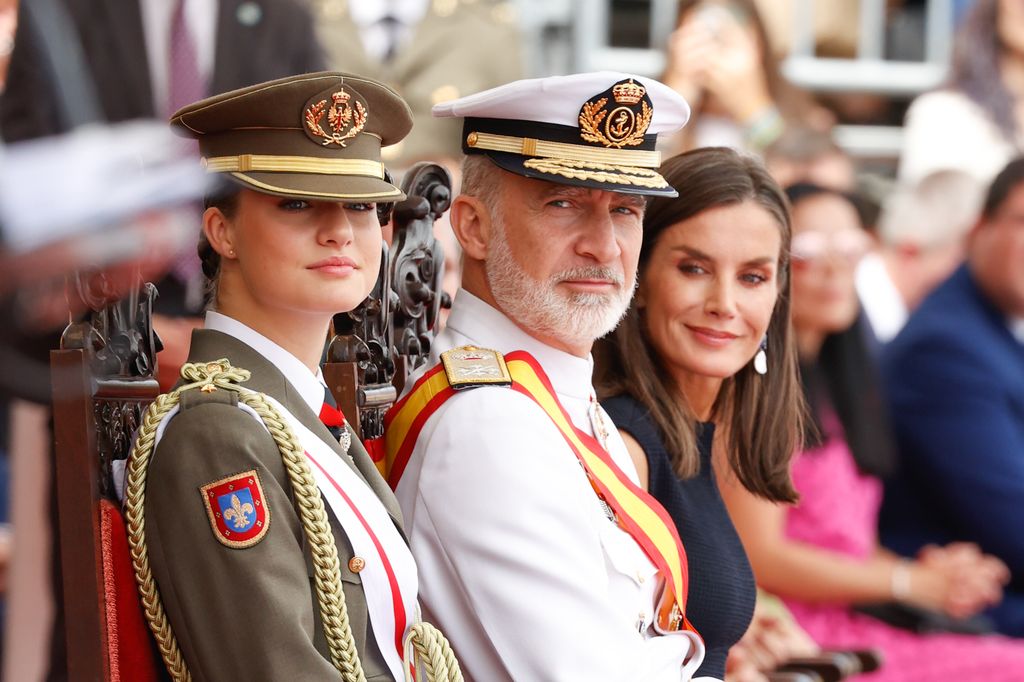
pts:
[761, 359]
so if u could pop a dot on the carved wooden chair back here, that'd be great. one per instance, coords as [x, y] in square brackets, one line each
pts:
[103, 380]
[377, 345]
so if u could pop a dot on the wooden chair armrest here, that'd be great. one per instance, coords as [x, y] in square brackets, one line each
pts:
[793, 676]
[868, 660]
[831, 666]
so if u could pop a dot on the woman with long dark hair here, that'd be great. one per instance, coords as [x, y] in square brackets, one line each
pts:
[975, 122]
[822, 556]
[720, 59]
[706, 353]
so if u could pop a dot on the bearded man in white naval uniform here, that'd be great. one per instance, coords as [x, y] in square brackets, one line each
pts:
[520, 561]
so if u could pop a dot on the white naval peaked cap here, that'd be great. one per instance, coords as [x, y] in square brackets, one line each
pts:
[596, 130]
[557, 100]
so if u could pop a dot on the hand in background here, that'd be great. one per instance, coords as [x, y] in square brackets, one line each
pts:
[735, 74]
[741, 667]
[772, 638]
[114, 262]
[6, 550]
[971, 581]
[691, 48]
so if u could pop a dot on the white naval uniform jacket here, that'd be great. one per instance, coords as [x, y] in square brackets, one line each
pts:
[518, 563]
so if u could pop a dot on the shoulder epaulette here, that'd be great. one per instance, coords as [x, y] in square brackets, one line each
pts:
[472, 367]
[194, 397]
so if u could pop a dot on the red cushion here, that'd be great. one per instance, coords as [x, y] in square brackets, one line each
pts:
[131, 650]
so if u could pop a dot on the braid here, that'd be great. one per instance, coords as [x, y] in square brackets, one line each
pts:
[226, 201]
[209, 258]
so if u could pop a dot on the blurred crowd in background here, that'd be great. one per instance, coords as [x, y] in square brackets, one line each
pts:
[891, 119]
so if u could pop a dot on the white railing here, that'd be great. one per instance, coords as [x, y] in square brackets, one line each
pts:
[869, 71]
[585, 24]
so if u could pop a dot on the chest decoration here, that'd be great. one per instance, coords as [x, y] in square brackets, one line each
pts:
[238, 513]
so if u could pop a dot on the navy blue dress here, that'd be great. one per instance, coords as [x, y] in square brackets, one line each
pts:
[722, 592]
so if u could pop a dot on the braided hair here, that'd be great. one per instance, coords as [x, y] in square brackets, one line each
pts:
[226, 201]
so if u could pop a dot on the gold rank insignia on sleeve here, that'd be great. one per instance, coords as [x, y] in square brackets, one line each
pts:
[470, 367]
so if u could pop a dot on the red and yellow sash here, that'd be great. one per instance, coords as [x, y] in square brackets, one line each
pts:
[636, 511]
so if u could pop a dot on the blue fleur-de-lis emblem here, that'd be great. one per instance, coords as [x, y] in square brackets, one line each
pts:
[238, 510]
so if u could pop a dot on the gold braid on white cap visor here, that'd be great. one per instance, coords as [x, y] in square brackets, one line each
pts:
[528, 146]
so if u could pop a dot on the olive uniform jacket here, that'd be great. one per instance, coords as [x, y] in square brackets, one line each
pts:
[249, 613]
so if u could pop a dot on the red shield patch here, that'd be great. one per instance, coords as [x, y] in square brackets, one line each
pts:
[239, 515]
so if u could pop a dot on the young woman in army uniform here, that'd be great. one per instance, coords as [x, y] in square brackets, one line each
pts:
[239, 494]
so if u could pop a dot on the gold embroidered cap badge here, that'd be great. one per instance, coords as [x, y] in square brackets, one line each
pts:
[346, 117]
[618, 117]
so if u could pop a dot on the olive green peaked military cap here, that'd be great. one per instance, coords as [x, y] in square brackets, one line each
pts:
[310, 136]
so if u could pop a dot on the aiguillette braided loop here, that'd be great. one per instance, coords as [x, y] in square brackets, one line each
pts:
[431, 647]
[330, 595]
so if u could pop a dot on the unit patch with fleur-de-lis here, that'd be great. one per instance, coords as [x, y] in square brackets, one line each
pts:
[238, 513]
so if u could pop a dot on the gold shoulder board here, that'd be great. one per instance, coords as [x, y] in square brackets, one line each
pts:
[470, 367]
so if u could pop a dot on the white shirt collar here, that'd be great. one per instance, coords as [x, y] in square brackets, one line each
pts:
[408, 12]
[881, 300]
[1017, 328]
[490, 328]
[309, 385]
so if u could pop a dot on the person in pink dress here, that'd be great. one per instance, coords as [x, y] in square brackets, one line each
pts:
[822, 555]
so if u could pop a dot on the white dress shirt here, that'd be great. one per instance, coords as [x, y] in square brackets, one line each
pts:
[882, 302]
[1017, 329]
[374, 33]
[519, 565]
[946, 130]
[309, 385]
[201, 17]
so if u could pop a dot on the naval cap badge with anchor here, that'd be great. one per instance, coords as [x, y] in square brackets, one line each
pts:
[618, 117]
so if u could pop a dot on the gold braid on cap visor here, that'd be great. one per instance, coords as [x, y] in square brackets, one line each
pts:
[598, 172]
[528, 146]
[293, 164]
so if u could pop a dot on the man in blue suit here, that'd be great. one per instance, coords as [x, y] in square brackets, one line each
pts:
[955, 380]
